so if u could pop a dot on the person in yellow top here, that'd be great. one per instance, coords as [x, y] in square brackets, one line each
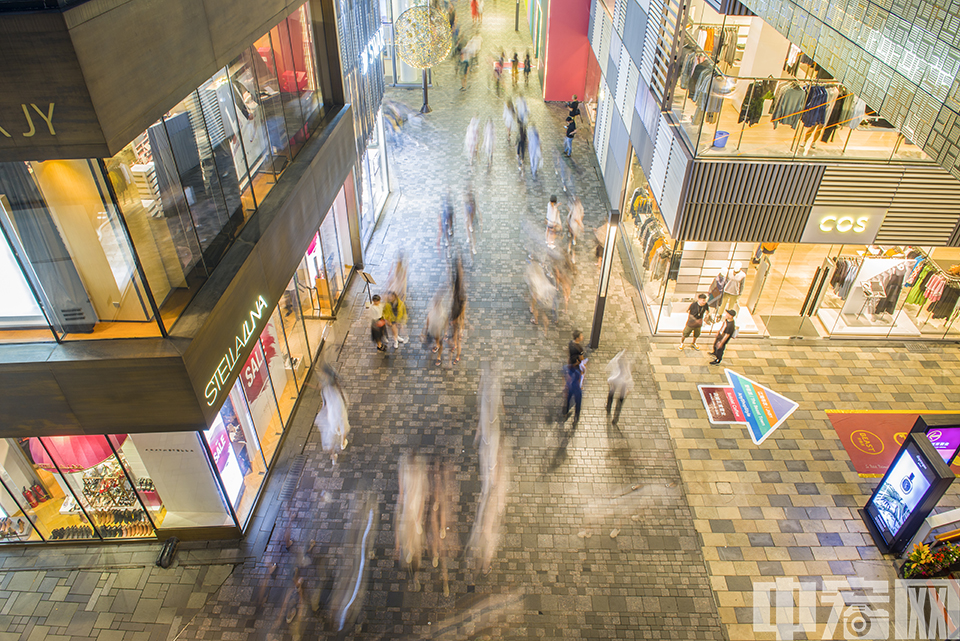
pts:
[395, 313]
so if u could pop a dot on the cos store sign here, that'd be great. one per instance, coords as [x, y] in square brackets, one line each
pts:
[843, 225]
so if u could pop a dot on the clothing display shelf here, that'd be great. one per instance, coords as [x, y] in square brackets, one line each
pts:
[932, 285]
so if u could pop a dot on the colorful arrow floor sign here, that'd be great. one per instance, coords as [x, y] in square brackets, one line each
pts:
[746, 402]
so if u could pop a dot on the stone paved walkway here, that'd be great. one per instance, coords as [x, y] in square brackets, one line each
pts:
[699, 512]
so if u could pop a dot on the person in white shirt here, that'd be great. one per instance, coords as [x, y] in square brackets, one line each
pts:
[554, 222]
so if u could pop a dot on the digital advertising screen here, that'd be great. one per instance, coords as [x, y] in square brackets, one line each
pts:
[901, 492]
[946, 440]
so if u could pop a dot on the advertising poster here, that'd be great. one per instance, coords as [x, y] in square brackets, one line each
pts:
[873, 438]
[748, 403]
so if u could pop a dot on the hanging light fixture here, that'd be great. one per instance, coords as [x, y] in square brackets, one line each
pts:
[422, 36]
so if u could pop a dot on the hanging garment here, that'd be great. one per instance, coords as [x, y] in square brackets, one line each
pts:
[715, 294]
[835, 117]
[752, 107]
[918, 293]
[892, 284]
[688, 59]
[702, 68]
[814, 109]
[944, 307]
[788, 105]
[857, 114]
[935, 288]
[915, 270]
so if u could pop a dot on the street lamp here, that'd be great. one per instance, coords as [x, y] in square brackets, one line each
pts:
[423, 38]
[606, 266]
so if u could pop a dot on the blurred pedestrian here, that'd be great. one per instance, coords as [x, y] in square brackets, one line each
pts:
[569, 133]
[350, 584]
[472, 217]
[332, 421]
[536, 159]
[521, 109]
[436, 327]
[397, 280]
[488, 142]
[575, 350]
[442, 543]
[498, 72]
[620, 381]
[554, 222]
[728, 330]
[542, 293]
[509, 119]
[475, 11]
[377, 324]
[484, 537]
[471, 139]
[395, 313]
[526, 70]
[445, 232]
[409, 525]
[563, 271]
[521, 146]
[697, 315]
[574, 224]
[464, 70]
[458, 309]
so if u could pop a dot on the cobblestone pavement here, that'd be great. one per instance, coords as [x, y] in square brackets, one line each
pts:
[657, 531]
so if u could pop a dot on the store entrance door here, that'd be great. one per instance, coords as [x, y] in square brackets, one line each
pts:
[784, 277]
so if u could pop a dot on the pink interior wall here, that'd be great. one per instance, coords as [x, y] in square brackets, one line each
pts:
[568, 49]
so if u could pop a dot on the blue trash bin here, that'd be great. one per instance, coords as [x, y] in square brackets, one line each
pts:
[720, 139]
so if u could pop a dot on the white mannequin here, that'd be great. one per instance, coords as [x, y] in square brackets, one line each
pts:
[733, 288]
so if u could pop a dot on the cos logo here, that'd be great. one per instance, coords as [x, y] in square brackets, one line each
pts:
[844, 224]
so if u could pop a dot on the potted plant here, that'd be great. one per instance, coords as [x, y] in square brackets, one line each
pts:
[924, 563]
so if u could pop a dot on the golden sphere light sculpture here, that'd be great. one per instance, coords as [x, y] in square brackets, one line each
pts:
[422, 36]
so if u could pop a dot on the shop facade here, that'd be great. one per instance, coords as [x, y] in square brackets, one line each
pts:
[745, 171]
[165, 303]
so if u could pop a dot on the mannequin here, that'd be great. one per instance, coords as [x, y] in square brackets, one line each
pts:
[733, 288]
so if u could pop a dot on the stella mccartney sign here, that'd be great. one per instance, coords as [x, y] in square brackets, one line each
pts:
[249, 330]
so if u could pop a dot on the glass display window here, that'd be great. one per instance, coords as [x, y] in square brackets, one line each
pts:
[301, 36]
[264, 363]
[21, 318]
[278, 130]
[22, 491]
[171, 475]
[374, 181]
[235, 450]
[99, 483]
[57, 217]
[314, 274]
[294, 368]
[291, 81]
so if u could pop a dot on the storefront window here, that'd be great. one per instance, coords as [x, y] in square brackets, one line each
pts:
[97, 479]
[235, 449]
[172, 478]
[741, 88]
[374, 173]
[278, 129]
[48, 499]
[331, 253]
[21, 318]
[25, 497]
[301, 35]
[60, 215]
[291, 82]
[289, 315]
[255, 377]
[15, 527]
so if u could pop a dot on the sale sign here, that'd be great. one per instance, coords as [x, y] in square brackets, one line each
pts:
[746, 402]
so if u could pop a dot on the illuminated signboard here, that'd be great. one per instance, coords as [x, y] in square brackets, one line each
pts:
[907, 494]
[249, 330]
[843, 224]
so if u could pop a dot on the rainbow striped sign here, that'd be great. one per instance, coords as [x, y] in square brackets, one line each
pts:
[748, 403]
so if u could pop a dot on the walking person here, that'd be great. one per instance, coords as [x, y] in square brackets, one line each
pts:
[410, 524]
[542, 293]
[472, 217]
[485, 535]
[395, 313]
[488, 142]
[436, 327]
[553, 222]
[574, 224]
[475, 11]
[573, 377]
[498, 72]
[332, 421]
[442, 545]
[570, 132]
[458, 310]
[521, 146]
[445, 232]
[536, 158]
[520, 108]
[727, 331]
[573, 107]
[697, 314]
[464, 69]
[377, 324]
[526, 70]
[509, 119]
[515, 70]
[471, 139]
[620, 382]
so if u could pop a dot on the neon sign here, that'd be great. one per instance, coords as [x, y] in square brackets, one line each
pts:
[370, 53]
[230, 359]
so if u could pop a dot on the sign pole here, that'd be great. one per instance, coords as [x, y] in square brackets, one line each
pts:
[516, 23]
[606, 265]
[425, 109]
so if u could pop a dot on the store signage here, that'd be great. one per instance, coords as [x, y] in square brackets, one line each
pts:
[856, 225]
[220, 446]
[370, 53]
[745, 402]
[909, 491]
[31, 128]
[249, 330]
